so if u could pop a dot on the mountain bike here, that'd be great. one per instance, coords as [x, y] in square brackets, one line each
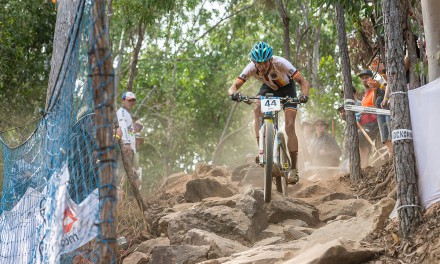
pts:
[273, 155]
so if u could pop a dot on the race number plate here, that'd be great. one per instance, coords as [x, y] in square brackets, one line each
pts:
[269, 105]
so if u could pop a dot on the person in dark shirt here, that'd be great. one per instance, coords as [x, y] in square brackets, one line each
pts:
[324, 149]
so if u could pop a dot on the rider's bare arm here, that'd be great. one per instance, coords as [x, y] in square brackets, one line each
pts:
[235, 86]
[303, 82]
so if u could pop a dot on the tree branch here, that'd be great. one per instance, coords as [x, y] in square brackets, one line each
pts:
[143, 100]
[223, 19]
[222, 141]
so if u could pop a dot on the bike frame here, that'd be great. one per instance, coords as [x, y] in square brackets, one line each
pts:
[270, 117]
[272, 147]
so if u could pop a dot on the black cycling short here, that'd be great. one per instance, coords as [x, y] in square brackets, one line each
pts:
[287, 90]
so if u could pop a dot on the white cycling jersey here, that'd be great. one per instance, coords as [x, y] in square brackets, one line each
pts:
[126, 124]
[279, 74]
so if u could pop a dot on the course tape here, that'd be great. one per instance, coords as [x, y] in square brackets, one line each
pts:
[368, 110]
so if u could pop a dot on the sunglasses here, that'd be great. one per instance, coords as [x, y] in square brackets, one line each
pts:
[131, 100]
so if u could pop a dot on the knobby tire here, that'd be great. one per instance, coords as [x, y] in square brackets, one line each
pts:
[268, 144]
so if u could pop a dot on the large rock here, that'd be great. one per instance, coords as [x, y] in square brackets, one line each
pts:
[307, 190]
[292, 233]
[221, 220]
[281, 208]
[336, 196]
[180, 254]
[147, 246]
[198, 189]
[356, 228]
[205, 170]
[239, 217]
[334, 252]
[271, 231]
[332, 209]
[240, 172]
[253, 178]
[174, 183]
[269, 241]
[219, 246]
[268, 254]
[136, 258]
[164, 222]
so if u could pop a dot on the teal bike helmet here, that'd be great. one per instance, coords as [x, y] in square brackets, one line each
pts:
[261, 52]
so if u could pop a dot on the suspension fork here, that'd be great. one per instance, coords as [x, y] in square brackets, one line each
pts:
[276, 154]
[261, 140]
[261, 143]
[277, 140]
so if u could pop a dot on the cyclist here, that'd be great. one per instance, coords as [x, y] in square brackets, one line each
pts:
[277, 75]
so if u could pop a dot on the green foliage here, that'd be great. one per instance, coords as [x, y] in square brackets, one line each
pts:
[141, 11]
[351, 7]
[26, 33]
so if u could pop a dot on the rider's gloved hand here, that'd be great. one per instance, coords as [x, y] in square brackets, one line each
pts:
[303, 99]
[236, 97]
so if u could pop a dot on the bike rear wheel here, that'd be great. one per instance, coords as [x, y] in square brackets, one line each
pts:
[283, 162]
[268, 154]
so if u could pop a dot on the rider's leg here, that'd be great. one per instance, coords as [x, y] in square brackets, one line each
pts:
[292, 140]
[257, 114]
[292, 143]
[293, 173]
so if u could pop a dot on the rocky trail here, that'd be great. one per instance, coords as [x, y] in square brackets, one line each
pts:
[218, 215]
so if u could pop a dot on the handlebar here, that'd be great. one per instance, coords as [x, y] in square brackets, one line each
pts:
[248, 99]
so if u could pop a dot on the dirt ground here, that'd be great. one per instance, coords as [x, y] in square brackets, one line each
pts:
[423, 247]
[376, 183]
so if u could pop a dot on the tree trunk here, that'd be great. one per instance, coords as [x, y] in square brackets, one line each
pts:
[351, 139]
[65, 19]
[285, 19]
[104, 95]
[136, 51]
[431, 21]
[414, 80]
[376, 19]
[109, 14]
[404, 160]
[118, 70]
[169, 133]
[170, 126]
[315, 57]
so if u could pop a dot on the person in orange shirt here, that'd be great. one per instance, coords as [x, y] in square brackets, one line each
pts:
[368, 122]
[382, 101]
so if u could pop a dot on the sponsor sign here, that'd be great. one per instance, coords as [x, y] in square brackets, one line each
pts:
[401, 134]
[42, 226]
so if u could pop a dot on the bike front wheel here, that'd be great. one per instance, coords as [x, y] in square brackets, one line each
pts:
[268, 153]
